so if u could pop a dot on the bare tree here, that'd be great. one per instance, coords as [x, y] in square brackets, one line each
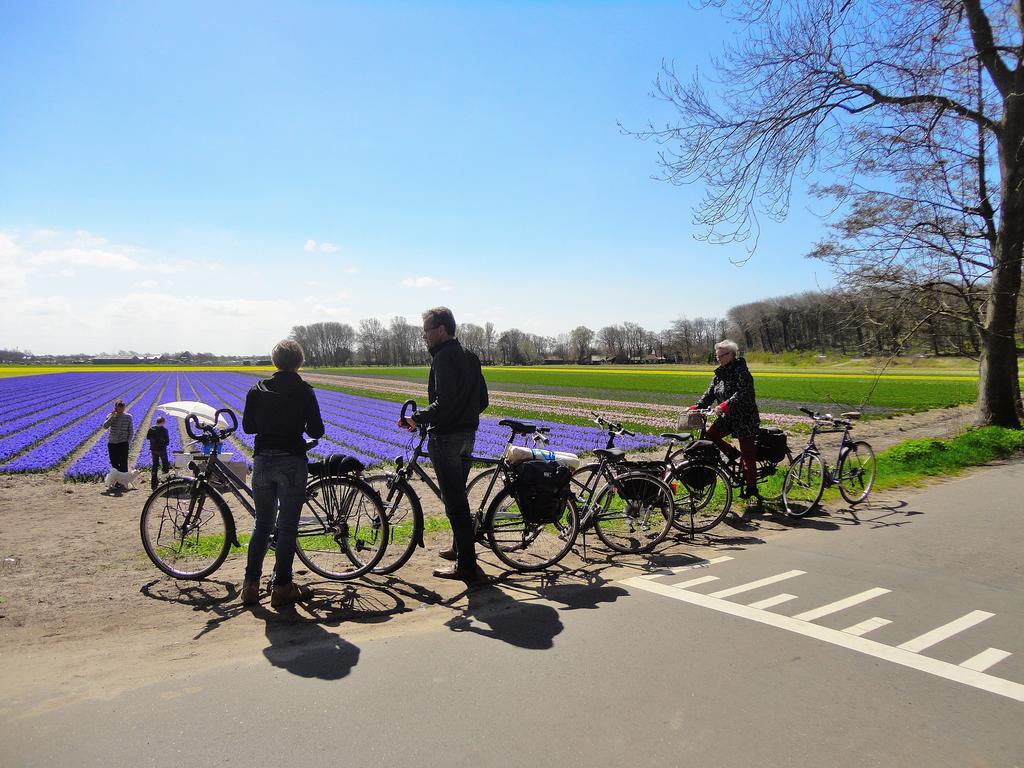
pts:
[917, 109]
[372, 341]
[580, 338]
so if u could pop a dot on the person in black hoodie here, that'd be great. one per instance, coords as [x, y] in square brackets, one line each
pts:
[158, 439]
[458, 394]
[732, 392]
[278, 411]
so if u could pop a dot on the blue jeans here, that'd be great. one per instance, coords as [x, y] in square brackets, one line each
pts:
[450, 456]
[279, 490]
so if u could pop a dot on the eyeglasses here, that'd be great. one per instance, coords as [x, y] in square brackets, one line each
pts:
[720, 355]
[431, 328]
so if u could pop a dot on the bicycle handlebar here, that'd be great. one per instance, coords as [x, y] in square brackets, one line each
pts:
[208, 431]
[613, 428]
[406, 406]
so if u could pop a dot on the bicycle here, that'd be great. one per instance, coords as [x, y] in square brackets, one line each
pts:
[188, 529]
[631, 513]
[809, 473]
[402, 503]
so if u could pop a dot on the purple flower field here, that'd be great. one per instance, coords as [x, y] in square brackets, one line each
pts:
[54, 421]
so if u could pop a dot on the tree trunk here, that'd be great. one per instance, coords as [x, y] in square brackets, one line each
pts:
[999, 401]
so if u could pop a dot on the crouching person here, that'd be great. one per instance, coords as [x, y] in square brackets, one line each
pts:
[279, 410]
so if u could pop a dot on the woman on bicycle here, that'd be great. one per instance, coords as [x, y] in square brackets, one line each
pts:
[732, 392]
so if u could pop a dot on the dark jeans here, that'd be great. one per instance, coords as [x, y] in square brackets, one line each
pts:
[279, 491]
[747, 453]
[118, 453]
[159, 459]
[450, 456]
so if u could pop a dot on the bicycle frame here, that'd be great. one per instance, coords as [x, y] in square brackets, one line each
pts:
[826, 425]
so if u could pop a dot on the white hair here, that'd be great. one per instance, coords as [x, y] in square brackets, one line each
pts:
[729, 346]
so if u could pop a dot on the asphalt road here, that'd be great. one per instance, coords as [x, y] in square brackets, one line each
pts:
[893, 638]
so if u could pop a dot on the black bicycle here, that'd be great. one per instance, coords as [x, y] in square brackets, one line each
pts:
[402, 504]
[187, 527]
[809, 473]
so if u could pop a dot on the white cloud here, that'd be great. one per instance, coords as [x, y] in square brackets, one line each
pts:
[325, 312]
[426, 282]
[312, 246]
[96, 258]
[148, 284]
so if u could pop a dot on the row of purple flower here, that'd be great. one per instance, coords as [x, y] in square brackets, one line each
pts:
[47, 419]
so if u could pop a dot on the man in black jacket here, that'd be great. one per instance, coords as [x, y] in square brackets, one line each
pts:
[278, 411]
[159, 439]
[457, 393]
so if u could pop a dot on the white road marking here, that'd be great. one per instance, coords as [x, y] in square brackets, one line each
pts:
[841, 605]
[985, 659]
[757, 584]
[937, 635]
[695, 582]
[869, 625]
[770, 602]
[684, 568]
[955, 672]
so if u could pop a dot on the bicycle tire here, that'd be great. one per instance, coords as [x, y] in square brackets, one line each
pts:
[772, 476]
[856, 473]
[343, 529]
[582, 480]
[698, 510]
[635, 512]
[804, 484]
[527, 546]
[405, 521]
[201, 550]
[476, 489]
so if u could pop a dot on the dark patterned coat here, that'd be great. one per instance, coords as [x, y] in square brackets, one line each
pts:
[734, 386]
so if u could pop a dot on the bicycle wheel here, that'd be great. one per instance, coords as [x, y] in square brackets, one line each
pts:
[480, 491]
[634, 512]
[702, 497]
[405, 521]
[525, 545]
[343, 530]
[772, 476]
[856, 473]
[186, 540]
[583, 480]
[804, 483]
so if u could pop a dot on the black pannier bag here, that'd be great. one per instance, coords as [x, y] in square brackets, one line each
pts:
[771, 444]
[699, 452]
[541, 488]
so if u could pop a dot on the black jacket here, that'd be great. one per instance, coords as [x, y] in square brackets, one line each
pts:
[278, 410]
[456, 390]
[158, 438]
[734, 386]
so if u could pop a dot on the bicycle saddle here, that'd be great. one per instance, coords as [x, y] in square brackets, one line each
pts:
[336, 464]
[850, 415]
[611, 454]
[518, 427]
[679, 437]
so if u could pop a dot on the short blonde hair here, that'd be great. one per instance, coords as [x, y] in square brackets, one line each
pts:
[728, 345]
[287, 355]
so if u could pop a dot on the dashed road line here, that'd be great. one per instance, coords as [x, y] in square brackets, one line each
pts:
[904, 655]
[985, 659]
[869, 625]
[770, 602]
[839, 605]
[750, 585]
[937, 635]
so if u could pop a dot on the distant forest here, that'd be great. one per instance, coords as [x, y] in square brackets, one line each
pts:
[831, 322]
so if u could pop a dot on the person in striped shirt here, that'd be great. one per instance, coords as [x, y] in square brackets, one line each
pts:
[120, 425]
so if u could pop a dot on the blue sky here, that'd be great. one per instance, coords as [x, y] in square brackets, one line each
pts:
[204, 176]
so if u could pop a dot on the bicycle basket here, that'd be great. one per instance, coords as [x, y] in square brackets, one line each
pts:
[690, 420]
[771, 444]
[541, 489]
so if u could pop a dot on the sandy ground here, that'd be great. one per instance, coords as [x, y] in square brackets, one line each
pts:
[83, 612]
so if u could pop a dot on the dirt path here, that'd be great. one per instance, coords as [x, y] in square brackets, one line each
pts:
[83, 612]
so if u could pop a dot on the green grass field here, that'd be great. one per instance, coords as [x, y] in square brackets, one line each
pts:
[904, 390]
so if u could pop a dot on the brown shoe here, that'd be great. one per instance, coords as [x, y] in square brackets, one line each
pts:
[448, 554]
[454, 572]
[250, 592]
[288, 594]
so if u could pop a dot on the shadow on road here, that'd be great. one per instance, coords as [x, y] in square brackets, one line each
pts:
[490, 612]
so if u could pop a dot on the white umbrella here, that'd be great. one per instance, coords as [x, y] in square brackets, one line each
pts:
[185, 408]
